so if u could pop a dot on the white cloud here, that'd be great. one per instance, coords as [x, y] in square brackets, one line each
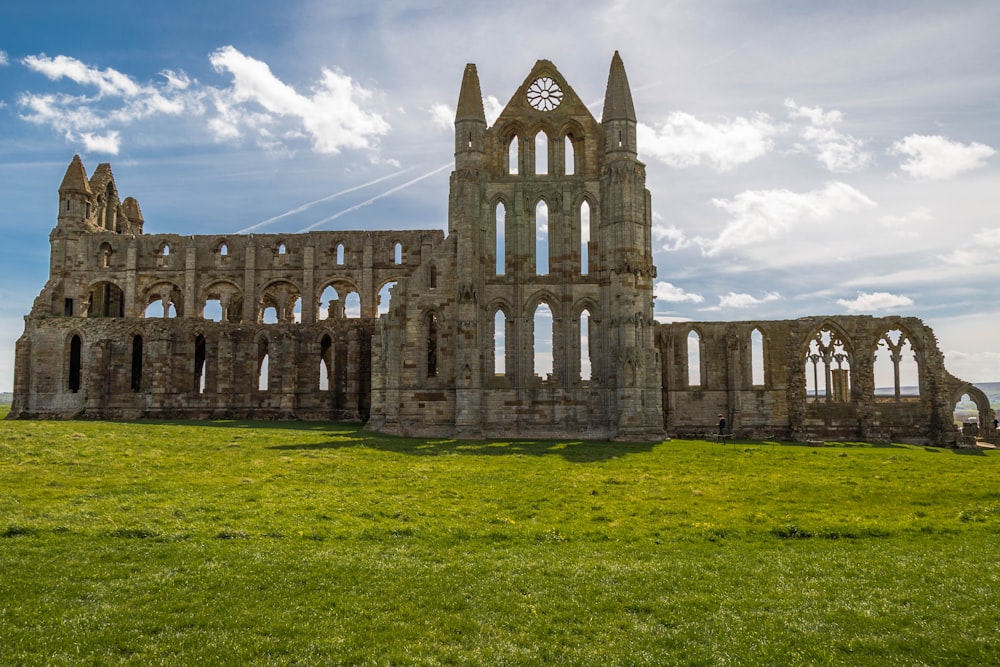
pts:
[333, 115]
[3, 58]
[935, 158]
[984, 249]
[443, 116]
[107, 143]
[684, 141]
[665, 291]
[760, 215]
[868, 302]
[671, 238]
[109, 82]
[838, 152]
[492, 108]
[734, 300]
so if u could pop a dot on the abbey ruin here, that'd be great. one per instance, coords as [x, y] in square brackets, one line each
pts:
[278, 326]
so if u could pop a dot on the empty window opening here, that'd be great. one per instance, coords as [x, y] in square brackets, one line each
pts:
[269, 315]
[106, 255]
[263, 366]
[541, 153]
[432, 345]
[966, 411]
[397, 253]
[513, 156]
[136, 383]
[75, 363]
[432, 277]
[282, 249]
[213, 310]
[542, 238]
[501, 228]
[384, 298]
[156, 308]
[828, 368]
[199, 364]
[325, 364]
[584, 238]
[67, 205]
[224, 250]
[352, 305]
[542, 342]
[499, 343]
[585, 363]
[569, 155]
[757, 357]
[340, 254]
[694, 359]
[896, 369]
[68, 307]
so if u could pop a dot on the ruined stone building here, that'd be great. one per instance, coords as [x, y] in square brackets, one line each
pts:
[134, 325]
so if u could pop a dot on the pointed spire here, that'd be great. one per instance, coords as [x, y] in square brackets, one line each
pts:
[618, 96]
[75, 179]
[470, 99]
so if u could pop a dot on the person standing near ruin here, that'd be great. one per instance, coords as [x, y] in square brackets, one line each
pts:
[722, 426]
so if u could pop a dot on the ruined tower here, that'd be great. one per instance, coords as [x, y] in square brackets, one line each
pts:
[535, 317]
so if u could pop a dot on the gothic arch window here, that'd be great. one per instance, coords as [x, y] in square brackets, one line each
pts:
[541, 344]
[584, 238]
[223, 249]
[432, 345]
[105, 254]
[326, 363]
[163, 255]
[541, 238]
[569, 155]
[282, 250]
[432, 276]
[694, 356]
[105, 299]
[397, 253]
[828, 368]
[513, 155]
[384, 298]
[330, 305]
[200, 354]
[585, 335]
[340, 254]
[263, 365]
[75, 375]
[541, 153]
[757, 357]
[501, 230]
[136, 368]
[499, 343]
[896, 366]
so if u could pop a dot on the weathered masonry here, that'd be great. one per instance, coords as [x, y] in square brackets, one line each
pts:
[533, 317]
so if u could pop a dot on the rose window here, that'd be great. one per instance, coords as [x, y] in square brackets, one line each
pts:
[544, 94]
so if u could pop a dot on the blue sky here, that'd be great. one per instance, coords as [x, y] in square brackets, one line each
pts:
[803, 159]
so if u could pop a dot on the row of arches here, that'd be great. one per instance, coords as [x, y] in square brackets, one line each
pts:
[544, 156]
[828, 362]
[546, 253]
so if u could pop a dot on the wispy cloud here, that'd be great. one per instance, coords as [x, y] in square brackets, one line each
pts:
[761, 215]
[936, 158]
[838, 152]
[682, 140]
[669, 292]
[742, 300]
[872, 301]
[983, 249]
[3, 58]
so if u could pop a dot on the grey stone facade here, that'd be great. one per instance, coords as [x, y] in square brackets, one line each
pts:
[548, 247]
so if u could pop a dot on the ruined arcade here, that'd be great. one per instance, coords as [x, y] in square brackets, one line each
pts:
[133, 325]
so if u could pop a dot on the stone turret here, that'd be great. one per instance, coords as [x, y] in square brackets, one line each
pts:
[470, 122]
[618, 118]
[76, 199]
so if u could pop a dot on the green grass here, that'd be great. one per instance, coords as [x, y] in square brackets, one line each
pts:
[317, 543]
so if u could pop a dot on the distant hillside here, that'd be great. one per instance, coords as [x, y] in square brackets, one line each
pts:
[966, 409]
[6, 397]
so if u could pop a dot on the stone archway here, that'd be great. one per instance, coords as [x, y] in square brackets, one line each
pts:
[984, 426]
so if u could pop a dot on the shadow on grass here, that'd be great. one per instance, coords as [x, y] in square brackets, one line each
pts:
[575, 451]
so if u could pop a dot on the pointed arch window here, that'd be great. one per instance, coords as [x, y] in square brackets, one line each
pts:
[326, 363]
[501, 246]
[499, 343]
[569, 156]
[896, 366]
[757, 357]
[828, 368]
[75, 363]
[263, 366]
[585, 358]
[200, 350]
[541, 238]
[513, 155]
[584, 238]
[694, 359]
[432, 345]
[541, 343]
[340, 254]
[397, 253]
[136, 383]
[541, 153]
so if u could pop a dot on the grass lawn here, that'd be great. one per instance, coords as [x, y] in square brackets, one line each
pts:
[183, 543]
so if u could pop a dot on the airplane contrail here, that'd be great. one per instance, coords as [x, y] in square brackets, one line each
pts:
[321, 200]
[375, 198]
